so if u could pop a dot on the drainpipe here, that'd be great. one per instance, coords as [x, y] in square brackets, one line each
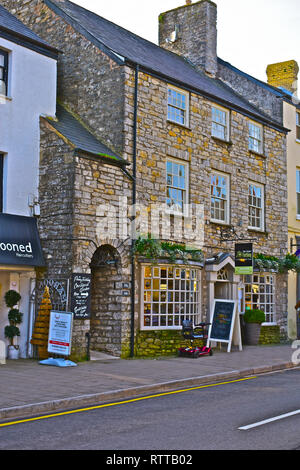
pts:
[134, 154]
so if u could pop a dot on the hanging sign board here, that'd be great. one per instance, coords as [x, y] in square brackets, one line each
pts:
[223, 322]
[81, 296]
[19, 241]
[244, 258]
[60, 333]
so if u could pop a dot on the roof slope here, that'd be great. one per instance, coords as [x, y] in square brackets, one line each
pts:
[151, 57]
[11, 24]
[279, 92]
[82, 140]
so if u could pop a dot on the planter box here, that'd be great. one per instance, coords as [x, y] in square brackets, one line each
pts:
[252, 333]
[13, 353]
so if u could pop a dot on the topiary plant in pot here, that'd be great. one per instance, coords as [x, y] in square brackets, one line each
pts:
[12, 297]
[253, 319]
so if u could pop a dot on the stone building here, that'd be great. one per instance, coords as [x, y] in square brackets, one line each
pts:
[284, 76]
[155, 140]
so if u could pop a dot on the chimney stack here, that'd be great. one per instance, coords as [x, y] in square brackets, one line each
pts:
[191, 31]
[283, 74]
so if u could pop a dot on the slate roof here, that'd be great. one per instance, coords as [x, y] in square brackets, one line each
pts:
[9, 24]
[135, 50]
[83, 140]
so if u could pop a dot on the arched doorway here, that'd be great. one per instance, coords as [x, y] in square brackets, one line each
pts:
[106, 301]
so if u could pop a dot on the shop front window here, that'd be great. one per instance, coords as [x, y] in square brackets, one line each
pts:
[171, 294]
[260, 294]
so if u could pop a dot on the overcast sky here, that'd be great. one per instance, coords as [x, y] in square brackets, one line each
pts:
[251, 34]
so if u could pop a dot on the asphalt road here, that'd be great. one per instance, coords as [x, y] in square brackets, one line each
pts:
[208, 418]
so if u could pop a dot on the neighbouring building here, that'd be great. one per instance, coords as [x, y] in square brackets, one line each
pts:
[28, 68]
[284, 76]
[162, 131]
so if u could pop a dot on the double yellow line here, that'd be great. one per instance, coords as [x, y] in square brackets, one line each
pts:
[106, 405]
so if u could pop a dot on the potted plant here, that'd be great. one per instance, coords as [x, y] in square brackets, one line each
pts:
[253, 318]
[12, 297]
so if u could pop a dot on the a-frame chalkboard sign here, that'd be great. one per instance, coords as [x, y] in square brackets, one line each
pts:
[224, 323]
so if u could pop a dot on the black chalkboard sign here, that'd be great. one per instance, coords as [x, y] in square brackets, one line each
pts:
[81, 296]
[222, 322]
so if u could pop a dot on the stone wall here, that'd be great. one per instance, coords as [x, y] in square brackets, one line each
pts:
[159, 139]
[89, 83]
[161, 343]
[103, 96]
[253, 91]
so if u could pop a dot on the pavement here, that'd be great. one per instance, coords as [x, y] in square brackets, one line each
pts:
[28, 388]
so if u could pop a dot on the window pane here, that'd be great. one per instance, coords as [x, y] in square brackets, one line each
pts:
[177, 106]
[255, 206]
[260, 294]
[219, 197]
[176, 186]
[176, 300]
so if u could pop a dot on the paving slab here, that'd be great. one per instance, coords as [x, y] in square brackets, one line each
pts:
[28, 387]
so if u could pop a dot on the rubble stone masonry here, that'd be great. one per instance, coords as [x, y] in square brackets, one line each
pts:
[101, 93]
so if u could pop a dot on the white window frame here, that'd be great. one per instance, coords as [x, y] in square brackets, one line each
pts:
[4, 71]
[172, 210]
[262, 208]
[266, 301]
[173, 297]
[227, 208]
[259, 140]
[225, 125]
[176, 106]
[298, 126]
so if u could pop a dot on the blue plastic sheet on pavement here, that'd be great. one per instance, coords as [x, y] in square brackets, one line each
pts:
[58, 362]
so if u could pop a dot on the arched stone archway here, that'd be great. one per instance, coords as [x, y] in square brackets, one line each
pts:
[106, 301]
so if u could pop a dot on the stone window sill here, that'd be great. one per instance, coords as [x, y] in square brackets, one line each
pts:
[222, 141]
[257, 154]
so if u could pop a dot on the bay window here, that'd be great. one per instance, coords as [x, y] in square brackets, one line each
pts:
[170, 295]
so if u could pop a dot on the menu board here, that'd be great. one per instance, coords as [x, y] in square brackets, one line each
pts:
[81, 296]
[60, 333]
[223, 320]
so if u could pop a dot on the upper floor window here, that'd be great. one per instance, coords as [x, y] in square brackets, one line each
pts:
[298, 125]
[220, 123]
[256, 206]
[178, 106]
[255, 137]
[219, 202]
[3, 72]
[177, 186]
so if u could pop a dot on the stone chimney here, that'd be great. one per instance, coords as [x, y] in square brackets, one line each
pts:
[284, 74]
[191, 31]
